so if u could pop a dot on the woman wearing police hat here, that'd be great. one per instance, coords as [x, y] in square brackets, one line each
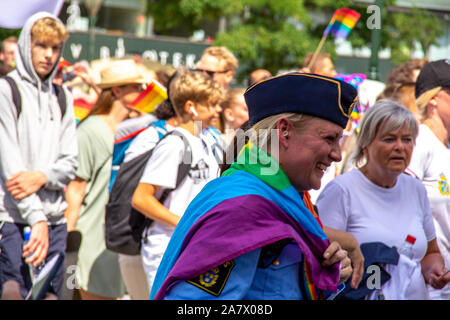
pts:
[253, 233]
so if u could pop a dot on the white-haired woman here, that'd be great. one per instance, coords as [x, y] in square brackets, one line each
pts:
[377, 202]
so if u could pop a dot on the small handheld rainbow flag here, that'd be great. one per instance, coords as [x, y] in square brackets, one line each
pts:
[342, 23]
[150, 97]
[81, 108]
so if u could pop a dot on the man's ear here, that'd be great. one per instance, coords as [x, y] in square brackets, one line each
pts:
[229, 75]
[228, 114]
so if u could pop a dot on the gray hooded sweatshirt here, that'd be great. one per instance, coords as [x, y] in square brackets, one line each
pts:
[38, 140]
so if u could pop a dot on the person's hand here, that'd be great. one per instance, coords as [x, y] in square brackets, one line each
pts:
[433, 267]
[437, 276]
[334, 253]
[357, 260]
[83, 71]
[349, 243]
[25, 183]
[37, 245]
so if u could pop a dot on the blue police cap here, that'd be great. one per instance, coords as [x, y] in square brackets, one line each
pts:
[312, 94]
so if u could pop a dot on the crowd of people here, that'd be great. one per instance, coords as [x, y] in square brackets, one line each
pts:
[286, 189]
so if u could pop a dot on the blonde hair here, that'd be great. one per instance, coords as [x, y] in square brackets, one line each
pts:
[423, 99]
[196, 87]
[49, 29]
[222, 53]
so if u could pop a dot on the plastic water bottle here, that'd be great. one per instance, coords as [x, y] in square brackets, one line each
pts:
[407, 247]
[33, 270]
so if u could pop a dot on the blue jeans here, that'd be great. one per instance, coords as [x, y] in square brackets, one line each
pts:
[13, 266]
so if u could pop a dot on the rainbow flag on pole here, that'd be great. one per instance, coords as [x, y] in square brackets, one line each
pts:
[150, 97]
[342, 23]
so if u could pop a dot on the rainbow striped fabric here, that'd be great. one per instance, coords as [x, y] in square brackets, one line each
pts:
[342, 23]
[252, 205]
[81, 108]
[153, 95]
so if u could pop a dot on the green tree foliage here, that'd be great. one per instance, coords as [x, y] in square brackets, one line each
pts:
[5, 33]
[277, 35]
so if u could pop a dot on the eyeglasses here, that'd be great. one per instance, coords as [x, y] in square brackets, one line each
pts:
[209, 72]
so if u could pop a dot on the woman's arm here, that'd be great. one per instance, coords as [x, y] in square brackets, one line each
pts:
[349, 243]
[145, 202]
[75, 193]
[433, 267]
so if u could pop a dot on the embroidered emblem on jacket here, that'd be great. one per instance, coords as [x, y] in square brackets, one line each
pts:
[214, 280]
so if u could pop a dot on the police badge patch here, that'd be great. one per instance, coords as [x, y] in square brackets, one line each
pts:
[215, 279]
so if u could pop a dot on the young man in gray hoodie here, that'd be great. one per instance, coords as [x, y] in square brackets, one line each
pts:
[38, 155]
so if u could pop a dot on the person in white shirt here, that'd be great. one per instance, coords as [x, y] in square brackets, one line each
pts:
[430, 161]
[377, 202]
[196, 99]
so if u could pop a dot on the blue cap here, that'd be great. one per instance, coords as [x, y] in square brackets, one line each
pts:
[306, 93]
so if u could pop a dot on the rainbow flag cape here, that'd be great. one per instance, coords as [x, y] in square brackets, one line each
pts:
[342, 23]
[150, 97]
[252, 205]
[81, 108]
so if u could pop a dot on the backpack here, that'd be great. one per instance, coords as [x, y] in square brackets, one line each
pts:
[121, 145]
[17, 98]
[123, 224]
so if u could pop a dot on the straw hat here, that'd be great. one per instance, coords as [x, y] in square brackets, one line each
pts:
[119, 73]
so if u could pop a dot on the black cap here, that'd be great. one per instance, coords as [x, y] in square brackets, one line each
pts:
[306, 93]
[433, 74]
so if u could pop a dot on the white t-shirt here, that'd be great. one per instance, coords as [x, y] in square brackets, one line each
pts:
[430, 162]
[144, 141]
[162, 169]
[353, 203]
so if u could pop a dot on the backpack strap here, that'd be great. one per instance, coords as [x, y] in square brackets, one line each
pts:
[183, 167]
[62, 102]
[17, 99]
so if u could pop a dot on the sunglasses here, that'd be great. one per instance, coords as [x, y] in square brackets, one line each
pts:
[209, 72]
